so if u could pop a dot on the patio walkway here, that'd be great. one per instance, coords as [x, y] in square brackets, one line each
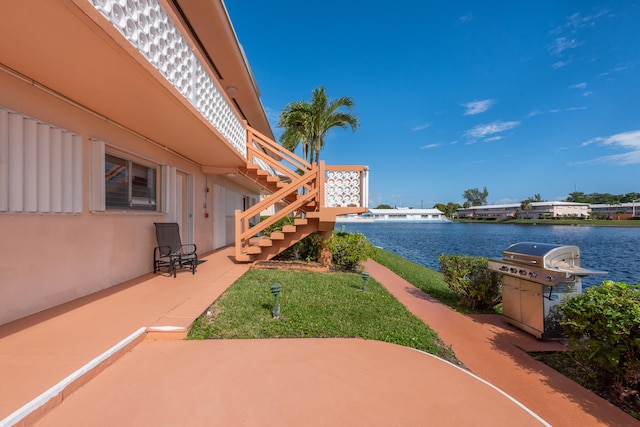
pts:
[148, 376]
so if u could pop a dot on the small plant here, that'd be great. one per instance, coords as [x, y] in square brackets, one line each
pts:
[603, 327]
[478, 287]
[349, 250]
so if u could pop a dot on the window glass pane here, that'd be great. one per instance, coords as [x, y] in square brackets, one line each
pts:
[129, 185]
[143, 187]
[116, 182]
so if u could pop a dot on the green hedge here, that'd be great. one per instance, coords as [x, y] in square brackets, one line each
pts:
[603, 327]
[468, 276]
[348, 250]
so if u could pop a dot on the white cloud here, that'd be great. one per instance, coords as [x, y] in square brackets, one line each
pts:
[476, 162]
[421, 127]
[560, 44]
[618, 69]
[557, 110]
[582, 85]
[490, 129]
[477, 107]
[560, 64]
[628, 141]
[466, 17]
[426, 147]
[272, 115]
[578, 21]
[562, 110]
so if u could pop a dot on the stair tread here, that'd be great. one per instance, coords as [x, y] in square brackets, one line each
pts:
[265, 242]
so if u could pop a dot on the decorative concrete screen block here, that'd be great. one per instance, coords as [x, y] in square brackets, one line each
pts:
[343, 189]
[148, 27]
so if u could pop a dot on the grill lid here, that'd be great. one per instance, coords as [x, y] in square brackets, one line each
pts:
[543, 254]
[543, 263]
[531, 248]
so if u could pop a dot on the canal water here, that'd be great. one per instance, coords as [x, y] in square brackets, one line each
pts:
[612, 249]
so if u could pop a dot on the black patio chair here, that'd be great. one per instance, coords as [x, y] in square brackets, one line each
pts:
[170, 251]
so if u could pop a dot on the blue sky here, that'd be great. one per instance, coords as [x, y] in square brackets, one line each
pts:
[521, 97]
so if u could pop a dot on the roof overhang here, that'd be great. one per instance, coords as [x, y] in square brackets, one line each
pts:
[70, 49]
[211, 26]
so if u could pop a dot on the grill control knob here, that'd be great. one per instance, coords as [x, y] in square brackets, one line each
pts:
[523, 272]
[513, 270]
[551, 278]
[504, 268]
[533, 274]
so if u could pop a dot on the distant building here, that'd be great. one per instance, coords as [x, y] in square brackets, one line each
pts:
[619, 211]
[408, 215]
[539, 210]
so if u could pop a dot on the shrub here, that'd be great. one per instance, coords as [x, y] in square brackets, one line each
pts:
[603, 327]
[306, 249]
[468, 276]
[349, 249]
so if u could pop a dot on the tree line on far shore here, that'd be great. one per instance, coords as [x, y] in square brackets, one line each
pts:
[476, 197]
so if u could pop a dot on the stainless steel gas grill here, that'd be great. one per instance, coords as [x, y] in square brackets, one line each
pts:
[536, 278]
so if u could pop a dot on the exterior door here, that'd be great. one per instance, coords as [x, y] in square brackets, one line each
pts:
[182, 205]
[219, 217]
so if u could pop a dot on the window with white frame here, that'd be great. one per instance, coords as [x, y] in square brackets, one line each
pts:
[129, 184]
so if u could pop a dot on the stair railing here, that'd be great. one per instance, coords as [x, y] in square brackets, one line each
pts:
[339, 189]
[304, 187]
[283, 161]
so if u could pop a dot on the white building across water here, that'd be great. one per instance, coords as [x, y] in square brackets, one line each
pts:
[408, 215]
[539, 210]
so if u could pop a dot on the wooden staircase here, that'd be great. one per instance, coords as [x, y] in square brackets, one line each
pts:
[297, 191]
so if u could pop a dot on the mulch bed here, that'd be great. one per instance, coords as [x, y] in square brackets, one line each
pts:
[291, 265]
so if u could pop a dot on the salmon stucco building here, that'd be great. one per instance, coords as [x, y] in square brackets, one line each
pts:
[117, 114]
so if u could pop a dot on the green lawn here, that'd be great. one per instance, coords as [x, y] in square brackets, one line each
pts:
[430, 281]
[315, 305]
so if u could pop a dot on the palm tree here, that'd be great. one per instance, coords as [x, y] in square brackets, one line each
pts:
[526, 206]
[308, 123]
[293, 120]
